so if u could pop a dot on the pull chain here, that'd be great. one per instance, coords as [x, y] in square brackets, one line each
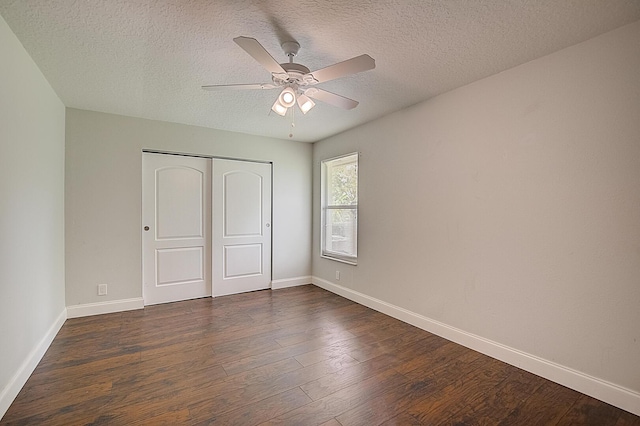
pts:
[293, 120]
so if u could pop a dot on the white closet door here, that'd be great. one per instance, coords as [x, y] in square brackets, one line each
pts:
[241, 226]
[176, 232]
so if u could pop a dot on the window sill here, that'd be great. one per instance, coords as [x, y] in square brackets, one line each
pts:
[338, 259]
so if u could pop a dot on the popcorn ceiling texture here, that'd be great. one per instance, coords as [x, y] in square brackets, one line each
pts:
[148, 58]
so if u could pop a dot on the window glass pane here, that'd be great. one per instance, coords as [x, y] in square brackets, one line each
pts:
[341, 230]
[342, 181]
[339, 188]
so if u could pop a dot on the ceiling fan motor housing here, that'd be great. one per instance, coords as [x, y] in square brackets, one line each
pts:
[296, 74]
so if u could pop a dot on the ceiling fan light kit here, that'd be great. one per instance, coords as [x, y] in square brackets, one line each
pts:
[296, 79]
[287, 97]
[286, 100]
[305, 103]
[279, 109]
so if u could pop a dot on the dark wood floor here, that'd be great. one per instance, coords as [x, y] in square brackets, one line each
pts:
[299, 356]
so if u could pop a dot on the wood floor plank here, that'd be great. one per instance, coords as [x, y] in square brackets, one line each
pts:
[590, 411]
[79, 371]
[453, 383]
[81, 413]
[139, 409]
[331, 422]
[628, 419]
[387, 405]
[336, 348]
[316, 333]
[469, 392]
[333, 345]
[547, 405]
[145, 387]
[48, 399]
[300, 356]
[267, 408]
[396, 402]
[349, 376]
[422, 363]
[339, 402]
[402, 419]
[511, 392]
[198, 330]
[169, 418]
[181, 361]
[396, 342]
[264, 372]
[207, 405]
[331, 383]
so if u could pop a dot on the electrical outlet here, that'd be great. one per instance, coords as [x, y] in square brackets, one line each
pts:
[102, 289]
[338, 275]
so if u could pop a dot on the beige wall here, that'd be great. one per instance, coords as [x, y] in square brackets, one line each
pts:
[31, 215]
[510, 208]
[104, 193]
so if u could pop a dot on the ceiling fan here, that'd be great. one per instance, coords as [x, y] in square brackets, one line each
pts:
[295, 80]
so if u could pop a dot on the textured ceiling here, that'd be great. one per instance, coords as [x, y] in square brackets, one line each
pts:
[148, 58]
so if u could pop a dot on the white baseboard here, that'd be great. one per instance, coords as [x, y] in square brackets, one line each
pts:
[99, 308]
[290, 282]
[610, 393]
[18, 380]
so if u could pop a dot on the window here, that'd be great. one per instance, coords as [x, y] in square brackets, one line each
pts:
[340, 208]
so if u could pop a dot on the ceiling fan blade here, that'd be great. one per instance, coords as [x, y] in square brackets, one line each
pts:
[222, 87]
[331, 98]
[259, 53]
[341, 69]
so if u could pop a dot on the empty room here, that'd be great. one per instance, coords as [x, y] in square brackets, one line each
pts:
[320, 212]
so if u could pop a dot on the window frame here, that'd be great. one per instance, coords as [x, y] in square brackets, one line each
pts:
[324, 188]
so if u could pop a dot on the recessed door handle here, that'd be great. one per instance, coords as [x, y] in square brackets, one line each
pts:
[146, 228]
[268, 225]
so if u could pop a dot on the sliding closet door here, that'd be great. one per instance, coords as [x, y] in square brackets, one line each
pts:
[241, 226]
[176, 212]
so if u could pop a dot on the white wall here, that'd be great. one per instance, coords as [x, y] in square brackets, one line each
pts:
[510, 209]
[32, 309]
[104, 193]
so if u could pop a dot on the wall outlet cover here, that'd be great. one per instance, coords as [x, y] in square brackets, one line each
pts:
[102, 289]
